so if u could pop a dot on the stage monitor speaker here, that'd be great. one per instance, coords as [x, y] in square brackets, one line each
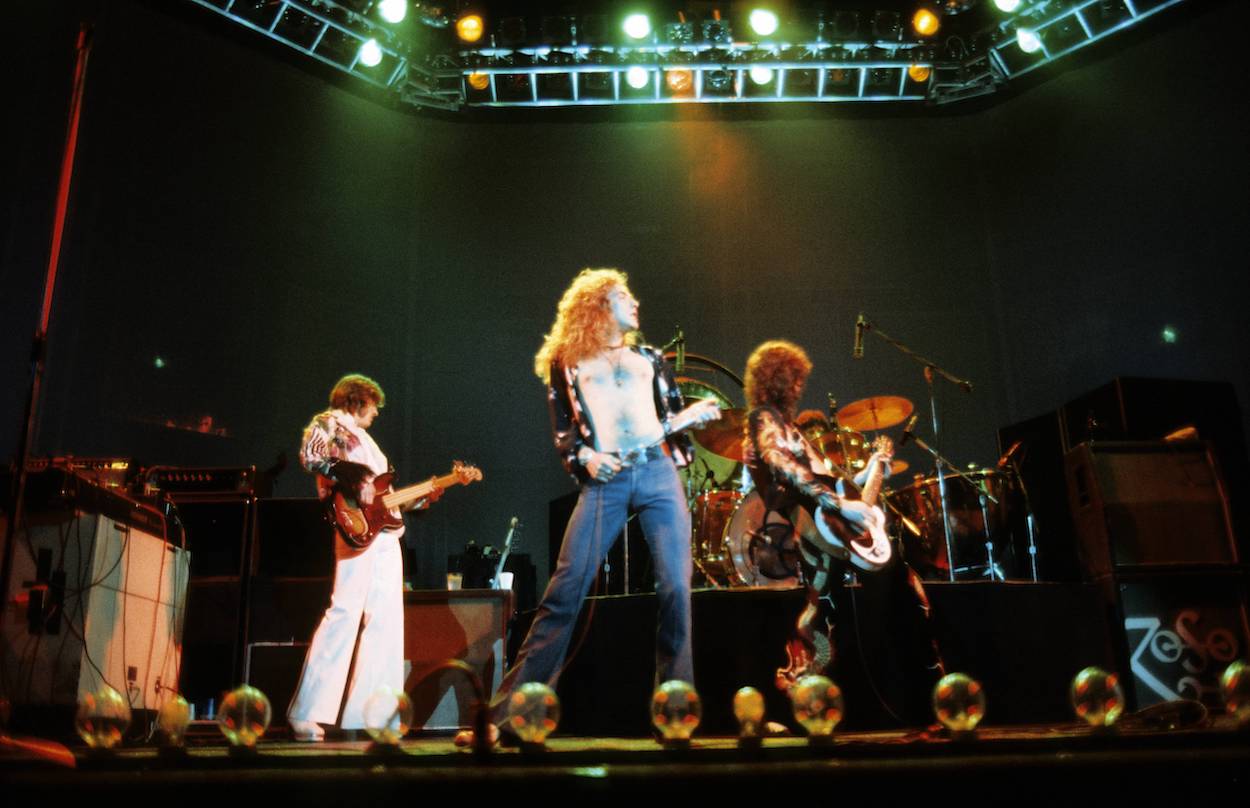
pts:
[93, 601]
[217, 531]
[469, 625]
[1148, 504]
[1180, 632]
[213, 639]
[274, 669]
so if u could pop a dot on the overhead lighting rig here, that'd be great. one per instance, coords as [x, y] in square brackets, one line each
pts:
[493, 55]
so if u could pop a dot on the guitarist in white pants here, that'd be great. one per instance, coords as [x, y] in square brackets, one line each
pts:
[835, 530]
[368, 582]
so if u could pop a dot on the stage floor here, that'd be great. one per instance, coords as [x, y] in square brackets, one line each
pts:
[1020, 761]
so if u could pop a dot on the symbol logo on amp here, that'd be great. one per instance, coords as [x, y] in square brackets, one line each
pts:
[1184, 660]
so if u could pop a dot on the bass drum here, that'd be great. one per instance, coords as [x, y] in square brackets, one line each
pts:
[763, 548]
[708, 470]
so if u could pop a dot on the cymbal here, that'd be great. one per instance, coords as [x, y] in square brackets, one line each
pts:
[723, 437]
[877, 412]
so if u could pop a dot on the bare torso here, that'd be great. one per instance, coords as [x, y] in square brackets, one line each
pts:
[616, 390]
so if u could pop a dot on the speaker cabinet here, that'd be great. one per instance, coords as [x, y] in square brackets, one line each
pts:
[93, 601]
[1155, 504]
[293, 539]
[1181, 630]
[217, 531]
[469, 625]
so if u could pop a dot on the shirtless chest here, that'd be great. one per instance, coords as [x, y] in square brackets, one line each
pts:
[616, 391]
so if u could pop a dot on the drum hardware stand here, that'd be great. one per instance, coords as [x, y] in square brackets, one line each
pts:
[1029, 522]
[930, 369]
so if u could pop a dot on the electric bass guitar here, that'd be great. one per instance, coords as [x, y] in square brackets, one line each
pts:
[866, 542]
[360, 523]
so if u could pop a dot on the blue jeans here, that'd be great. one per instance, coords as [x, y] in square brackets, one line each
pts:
[654, 491]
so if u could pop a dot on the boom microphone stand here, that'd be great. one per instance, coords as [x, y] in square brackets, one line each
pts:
[931, 369]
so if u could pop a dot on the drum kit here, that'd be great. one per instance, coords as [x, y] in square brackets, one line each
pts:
[737, 542]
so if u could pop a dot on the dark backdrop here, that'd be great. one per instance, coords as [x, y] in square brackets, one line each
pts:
[264, 230]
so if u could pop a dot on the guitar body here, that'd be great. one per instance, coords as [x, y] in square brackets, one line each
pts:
[867, 545]
[359, 523]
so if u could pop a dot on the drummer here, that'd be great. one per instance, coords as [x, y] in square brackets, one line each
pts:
[787, 473]
[815, 426]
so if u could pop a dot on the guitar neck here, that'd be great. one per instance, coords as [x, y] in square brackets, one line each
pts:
[411, 493]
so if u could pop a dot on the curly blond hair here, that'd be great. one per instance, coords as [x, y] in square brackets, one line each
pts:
[583, 321]
[776, 373]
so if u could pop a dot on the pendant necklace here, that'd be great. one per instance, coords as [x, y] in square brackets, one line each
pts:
[618, 370]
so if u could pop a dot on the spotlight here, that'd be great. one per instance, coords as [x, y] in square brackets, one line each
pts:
[511, 32]
[637, 26]
[761, 75]
[393, 10]
[763, 21]
[718, 81]
[919, 73]
[1028, 40]
[1007, 6]
[469, 28]
[637, 77]
[887, 26]
[681, 82]
[479, 81]
[716, 30]
[924, 22]
[370, 53]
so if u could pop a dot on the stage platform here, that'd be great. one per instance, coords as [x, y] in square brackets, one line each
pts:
[1017, 762]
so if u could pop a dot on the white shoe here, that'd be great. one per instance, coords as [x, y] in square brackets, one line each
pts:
[307, 731]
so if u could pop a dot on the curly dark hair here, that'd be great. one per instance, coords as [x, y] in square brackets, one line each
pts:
[354, 392]
[776, 373]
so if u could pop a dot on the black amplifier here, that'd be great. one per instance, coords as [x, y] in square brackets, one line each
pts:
[182, 481]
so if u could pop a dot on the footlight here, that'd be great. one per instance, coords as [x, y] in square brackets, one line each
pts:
[1235, 688]
[533, 714]
[102, 718]
[387, 717]
[1097, 698]
[959, 703]
[818, 706]
[243, 717]
[676, 710]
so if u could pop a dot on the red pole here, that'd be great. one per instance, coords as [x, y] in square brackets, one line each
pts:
[83, 47]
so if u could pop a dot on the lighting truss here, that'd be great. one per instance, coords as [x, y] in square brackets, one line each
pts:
[439, 72]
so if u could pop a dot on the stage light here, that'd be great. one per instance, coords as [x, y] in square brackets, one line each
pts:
[1235, 688]
[469, 28]
[676, 710]
[244, 716]
[172, 721]
[102, 718]
[1028, 40]
[158, 362]
[1096, 696]
[749, 711]
[763, 21]
[637, 77]
[1007, 6]
[388, 716]
[1169, 335]
[370, 53]
[817, 704]
[533, 713]
[679, 81]
[959, 702]
[919, 73]
[393, 10]
[924, 22]
[636, 26]
[761, 75]
[479, 81]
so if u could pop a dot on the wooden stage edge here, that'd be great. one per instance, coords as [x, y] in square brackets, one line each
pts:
[1009, 761]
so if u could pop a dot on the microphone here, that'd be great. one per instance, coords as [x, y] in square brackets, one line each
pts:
[680, 339]
[833, 408]
[907, 431]
[1011, 452]
[857, 349]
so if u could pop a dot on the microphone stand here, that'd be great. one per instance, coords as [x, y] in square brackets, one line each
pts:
[931, 369]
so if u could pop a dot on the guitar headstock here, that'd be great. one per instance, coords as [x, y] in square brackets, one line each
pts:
[465, 473]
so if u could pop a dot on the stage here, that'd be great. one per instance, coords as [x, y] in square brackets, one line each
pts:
[1140, 760]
